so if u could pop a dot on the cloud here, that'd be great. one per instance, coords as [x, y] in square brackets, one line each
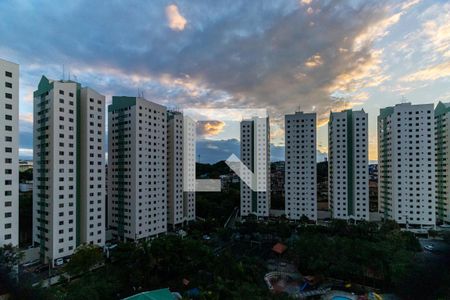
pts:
[305, 2]
[277, 135]
[25, 153]
[26, 117]
[26, 122]
[364, 72]
[408, 4]
[209, 128]
[174, 19]
[314, 61]
[241, 55]
[376, 31]
[438, 33]
[361, 96]
[430, 73]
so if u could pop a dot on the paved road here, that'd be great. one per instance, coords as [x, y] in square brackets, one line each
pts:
[440, 248]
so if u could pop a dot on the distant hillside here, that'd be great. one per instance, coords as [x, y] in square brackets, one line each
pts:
[211, 151]
[212, 171]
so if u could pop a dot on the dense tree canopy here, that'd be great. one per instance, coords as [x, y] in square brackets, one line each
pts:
[232, 264]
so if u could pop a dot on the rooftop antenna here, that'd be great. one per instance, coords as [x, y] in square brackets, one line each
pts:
[299, 108]
[69, 75]
[75, 77]
[403, 99]
[63, 74]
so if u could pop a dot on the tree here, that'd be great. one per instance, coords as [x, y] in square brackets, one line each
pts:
[389, 225]
[84, 259]
[304, 219]
[446, 237]
[26, 175]
[10, 257]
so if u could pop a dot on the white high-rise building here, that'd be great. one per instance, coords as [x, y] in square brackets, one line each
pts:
[62, 185]
[300, 166]
[92, 176]
[137, 170]
[442, 134]
[348, 168]
[189, 166]
[9, 153]
[180, 203]
[255, 155]
[406, 164]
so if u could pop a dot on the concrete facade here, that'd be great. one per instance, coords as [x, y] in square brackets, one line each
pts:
[300, 166]
[255, 155]
[9, 153]
[137, 170]
[406, 157]
[348, 167]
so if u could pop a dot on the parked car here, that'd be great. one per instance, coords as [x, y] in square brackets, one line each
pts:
[428, 247]
[59, 262]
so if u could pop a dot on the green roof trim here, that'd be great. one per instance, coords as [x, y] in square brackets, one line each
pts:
[161, 294]
[119, 102]
[441, 108]
[44, 86]
[384, 112]
[441, 134]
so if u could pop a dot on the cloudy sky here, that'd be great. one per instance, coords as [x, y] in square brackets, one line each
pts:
[283, 55]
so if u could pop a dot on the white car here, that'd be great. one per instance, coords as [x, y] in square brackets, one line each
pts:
[428, 247]
[59, 262]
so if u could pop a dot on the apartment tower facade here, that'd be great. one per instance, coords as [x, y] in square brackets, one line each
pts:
[442, 135]
[348, 165]
[255, 155]
[406, 157]
[300, 166]
[180, 139]
[67, 181]
[9, 153]
[137, 170]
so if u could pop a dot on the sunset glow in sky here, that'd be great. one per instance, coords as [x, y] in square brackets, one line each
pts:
[282, 55]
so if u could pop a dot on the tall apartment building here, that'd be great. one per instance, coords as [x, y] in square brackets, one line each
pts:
[69, 168]
[189, 166]
[9, 153]
[92, 177]
[300, 166]
[137, 170]
[255, 155]
[348, 168]
[442, 135]
[180, 139]
[406, 158]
